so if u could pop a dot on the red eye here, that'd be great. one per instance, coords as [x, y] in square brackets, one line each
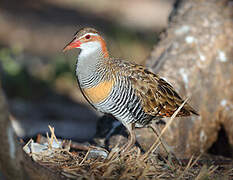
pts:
[88, 36]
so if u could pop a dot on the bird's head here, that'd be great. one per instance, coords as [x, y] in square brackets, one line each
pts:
[87, 39]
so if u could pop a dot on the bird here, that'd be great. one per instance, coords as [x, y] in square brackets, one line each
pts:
[130, 92]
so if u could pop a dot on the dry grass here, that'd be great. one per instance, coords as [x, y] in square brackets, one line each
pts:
[132, 164]
[129, 165]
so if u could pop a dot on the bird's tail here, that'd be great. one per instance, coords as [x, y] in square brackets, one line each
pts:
[189, 110]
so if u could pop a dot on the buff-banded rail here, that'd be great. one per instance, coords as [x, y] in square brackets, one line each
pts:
[128, 91]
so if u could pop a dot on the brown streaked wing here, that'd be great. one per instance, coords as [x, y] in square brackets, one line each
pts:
[157, 96]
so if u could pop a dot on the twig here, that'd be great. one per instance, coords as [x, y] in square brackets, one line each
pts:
[145, 156]
[85, 157]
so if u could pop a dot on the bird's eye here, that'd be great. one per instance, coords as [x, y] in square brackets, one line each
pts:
[88, 36]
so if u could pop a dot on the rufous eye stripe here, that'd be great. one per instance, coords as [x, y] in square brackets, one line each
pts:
[103, 45]
[97, 37]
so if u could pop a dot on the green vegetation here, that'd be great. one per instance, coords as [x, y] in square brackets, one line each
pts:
[29, 77]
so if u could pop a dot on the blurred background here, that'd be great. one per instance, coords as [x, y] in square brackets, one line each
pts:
[39, 80]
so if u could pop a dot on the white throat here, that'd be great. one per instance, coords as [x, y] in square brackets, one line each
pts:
[89, 48]
[88, 59]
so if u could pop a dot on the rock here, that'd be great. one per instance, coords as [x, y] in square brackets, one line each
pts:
[68, 118]
[95, 153]
[195, 55]
[110, 132]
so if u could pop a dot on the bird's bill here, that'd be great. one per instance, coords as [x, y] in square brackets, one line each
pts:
[72, 44]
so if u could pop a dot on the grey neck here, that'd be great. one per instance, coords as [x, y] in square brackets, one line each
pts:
[89, 59]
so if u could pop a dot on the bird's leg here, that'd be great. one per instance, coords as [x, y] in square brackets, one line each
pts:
[132, 137]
